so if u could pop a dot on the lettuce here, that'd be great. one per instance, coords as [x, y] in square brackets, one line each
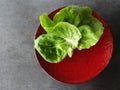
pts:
[72, 27]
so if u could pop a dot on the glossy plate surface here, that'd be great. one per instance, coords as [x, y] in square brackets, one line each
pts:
[85, 64]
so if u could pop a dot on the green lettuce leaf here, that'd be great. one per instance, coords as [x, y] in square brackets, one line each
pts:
[51, 47]
[46, 23]
[60, 42]
[72, 14]
[91, 30]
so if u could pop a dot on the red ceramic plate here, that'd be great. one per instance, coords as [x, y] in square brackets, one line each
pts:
[85, 64]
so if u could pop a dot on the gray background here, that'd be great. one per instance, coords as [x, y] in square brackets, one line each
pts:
[19, 70]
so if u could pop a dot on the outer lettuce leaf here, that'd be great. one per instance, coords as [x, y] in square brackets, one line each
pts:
[72, 14]
[51, 47]
[61, 41]
[46, 23]
[91, 30]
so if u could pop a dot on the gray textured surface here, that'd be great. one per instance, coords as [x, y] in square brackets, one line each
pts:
[18, 67]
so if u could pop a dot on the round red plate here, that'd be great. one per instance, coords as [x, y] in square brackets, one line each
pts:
[85, 64]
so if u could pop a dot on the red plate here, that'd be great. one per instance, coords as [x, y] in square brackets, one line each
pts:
[85, 64]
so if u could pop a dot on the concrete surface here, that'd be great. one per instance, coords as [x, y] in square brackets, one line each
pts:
[18, 67]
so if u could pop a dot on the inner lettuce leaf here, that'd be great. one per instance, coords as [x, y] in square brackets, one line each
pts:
[54, 46]
[72, 27]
